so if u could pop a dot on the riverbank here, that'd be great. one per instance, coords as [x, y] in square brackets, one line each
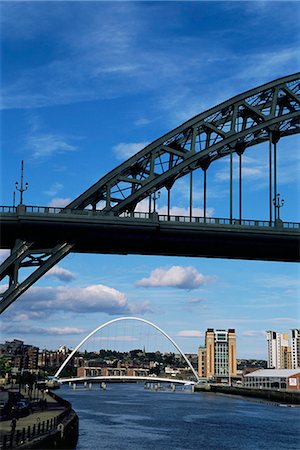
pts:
[127, 416]
[290, 397]
[55, 427]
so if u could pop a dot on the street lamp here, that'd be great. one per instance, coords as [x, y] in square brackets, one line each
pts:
[155, 197]
[278, 204]
[21, 189]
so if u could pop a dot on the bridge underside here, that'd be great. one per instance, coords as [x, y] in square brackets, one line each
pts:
[115, 235]
[264, 114]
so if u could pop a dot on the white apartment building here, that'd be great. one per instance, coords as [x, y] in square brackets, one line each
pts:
[295, 341]
[278, 348]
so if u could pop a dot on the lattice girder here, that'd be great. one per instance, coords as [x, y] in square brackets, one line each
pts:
[267, 112]
[22, 256]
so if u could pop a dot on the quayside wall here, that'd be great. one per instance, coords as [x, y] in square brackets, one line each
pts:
[291, 397]
[62, 435]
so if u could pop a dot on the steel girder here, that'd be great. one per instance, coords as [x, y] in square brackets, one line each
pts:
[268, 112]
[23, 256]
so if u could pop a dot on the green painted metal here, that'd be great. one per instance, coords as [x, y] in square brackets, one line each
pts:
[241, 122]
[265, 113]
[23, 256]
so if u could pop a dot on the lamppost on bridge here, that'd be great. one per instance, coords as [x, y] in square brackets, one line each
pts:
[155, 197]
[278, 204]
[21, 189]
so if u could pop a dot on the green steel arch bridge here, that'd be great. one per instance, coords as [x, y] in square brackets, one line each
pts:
[105, 218]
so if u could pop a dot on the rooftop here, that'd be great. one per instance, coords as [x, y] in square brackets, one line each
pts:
[274, 373]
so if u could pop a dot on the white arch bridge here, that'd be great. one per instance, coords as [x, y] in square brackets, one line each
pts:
[128, 379]
[123, 377]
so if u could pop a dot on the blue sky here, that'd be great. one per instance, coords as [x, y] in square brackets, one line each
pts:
[87, 84]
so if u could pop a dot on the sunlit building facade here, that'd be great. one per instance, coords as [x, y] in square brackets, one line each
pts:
[218, 357]
[295, 348]
[279, 350]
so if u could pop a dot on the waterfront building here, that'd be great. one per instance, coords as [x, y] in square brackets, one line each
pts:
[273, 379]
[295, 334]
[20, 356]
[218, 358]
[202, 362]
[111, 371]
[286, 357]
[279, 350]
[52, 358]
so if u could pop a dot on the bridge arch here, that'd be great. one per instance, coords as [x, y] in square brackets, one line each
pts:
[119, 319]
[265, 113]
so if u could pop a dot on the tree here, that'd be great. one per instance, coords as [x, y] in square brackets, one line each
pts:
[5, 367]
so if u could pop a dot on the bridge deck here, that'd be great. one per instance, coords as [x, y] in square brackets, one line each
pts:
[125, 378]
[91, 232]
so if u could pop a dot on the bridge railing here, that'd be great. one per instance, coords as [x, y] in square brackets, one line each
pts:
[22, 209]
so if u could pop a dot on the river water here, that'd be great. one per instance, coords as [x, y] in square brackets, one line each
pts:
[128, 417]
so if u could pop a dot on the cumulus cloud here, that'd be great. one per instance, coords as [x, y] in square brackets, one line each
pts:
[175, 276]
[189, 333]
[60, 273]
[143, 206]
[124, 151]
[41, 302]
[180, 211]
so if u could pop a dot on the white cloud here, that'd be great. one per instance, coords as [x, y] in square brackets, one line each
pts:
[13, 328]
[4, 254]
[116, 338]
[41, 302]
[265, 64]
[253, 169]
[196, 301]
[253, 333]
[44, 145]
[181, 211]
[124, 151]
[54, 189]
[175, 276]
[143, 206]
[60, 273]
[64, 330]
[280, 282]
[189, 333]
[59, 202]
[110, 58]
[142, 121]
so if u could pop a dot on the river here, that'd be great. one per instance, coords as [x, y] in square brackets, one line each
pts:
[128, 417]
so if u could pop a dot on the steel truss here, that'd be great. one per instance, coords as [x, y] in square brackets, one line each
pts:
[21, 257]
[265, 113]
